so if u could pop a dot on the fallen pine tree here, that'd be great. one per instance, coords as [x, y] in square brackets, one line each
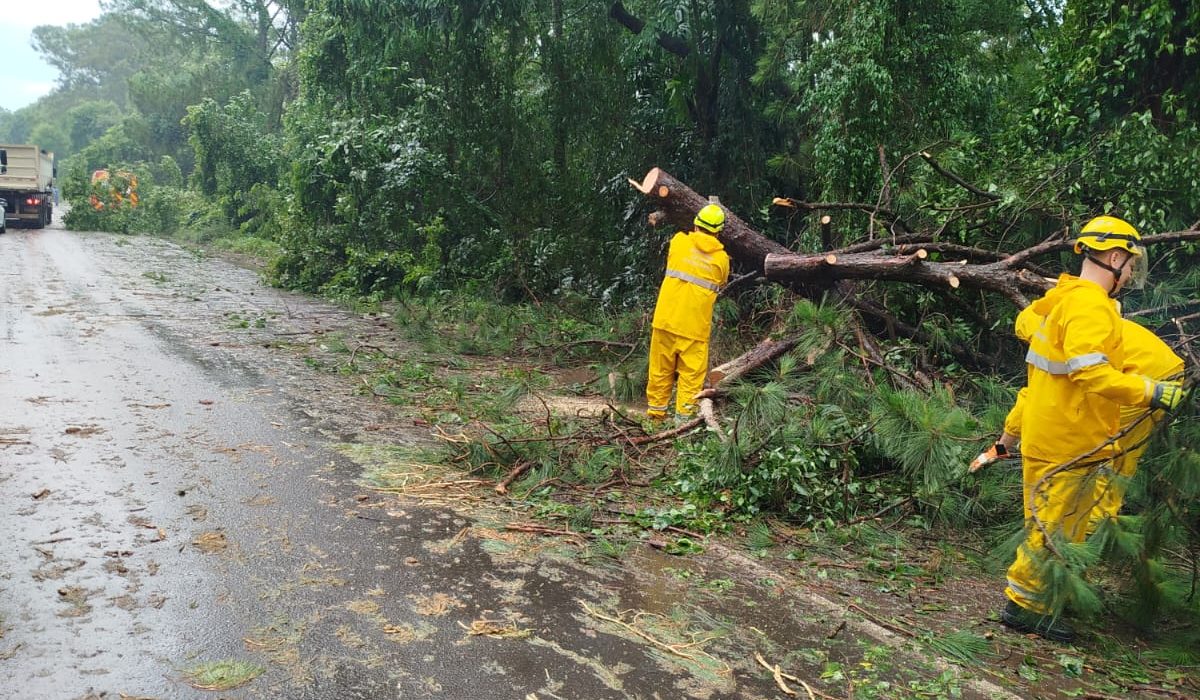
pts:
[904, 257]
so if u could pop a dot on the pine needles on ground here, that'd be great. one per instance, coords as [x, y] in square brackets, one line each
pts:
[964, 647]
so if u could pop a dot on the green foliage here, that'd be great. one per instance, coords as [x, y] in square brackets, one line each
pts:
[853, 78]
[50, 136]
[90, 120]
[234, 151]
[100, 55]
[159, 210]
[118, 145]
[927, 435]
[809, 475]
[222, 675]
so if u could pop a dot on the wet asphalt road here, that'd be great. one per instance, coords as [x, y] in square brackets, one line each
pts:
[171, 495]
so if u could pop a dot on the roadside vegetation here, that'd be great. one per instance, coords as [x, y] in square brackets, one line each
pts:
[507, 409]
[463, 166]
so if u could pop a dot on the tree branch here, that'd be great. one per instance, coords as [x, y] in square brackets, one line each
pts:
[672, 44]
[958, 180]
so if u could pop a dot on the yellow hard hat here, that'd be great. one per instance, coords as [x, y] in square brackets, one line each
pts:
[711, 218]
[1108, 232]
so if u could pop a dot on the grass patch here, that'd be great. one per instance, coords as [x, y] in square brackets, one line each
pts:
[259, 248]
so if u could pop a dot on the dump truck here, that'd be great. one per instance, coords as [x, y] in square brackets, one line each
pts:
[27, 184]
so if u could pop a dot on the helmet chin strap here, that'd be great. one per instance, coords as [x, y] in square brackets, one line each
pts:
[1116, 273]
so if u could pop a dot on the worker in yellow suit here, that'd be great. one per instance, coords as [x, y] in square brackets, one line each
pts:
[1076, 387]
[697, 267]
[1145, 354]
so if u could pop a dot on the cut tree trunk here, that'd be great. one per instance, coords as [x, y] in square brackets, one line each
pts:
[677, 204]
[914, 268]
[766, 351]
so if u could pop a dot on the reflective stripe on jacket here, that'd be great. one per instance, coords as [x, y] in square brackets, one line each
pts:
[697, 266]
[1076, 368]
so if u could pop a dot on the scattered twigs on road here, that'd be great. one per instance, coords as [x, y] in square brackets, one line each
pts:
[535, 529]
[674, 649]
[670, 433]
[497, 629]
[880, 512]
[780, 676]
[515, 473]
[596, 342]
[882, 623]
[366, 346]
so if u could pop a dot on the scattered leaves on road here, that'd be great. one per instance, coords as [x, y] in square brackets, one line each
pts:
[222, 675]
[496, 629]
[211, 541]
[435, 605]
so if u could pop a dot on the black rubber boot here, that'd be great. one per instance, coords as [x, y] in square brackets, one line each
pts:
[1050, 627]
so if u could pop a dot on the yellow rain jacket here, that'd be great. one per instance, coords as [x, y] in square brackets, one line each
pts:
[697, 266]
[1076, 383]
[1145, 354]
[1028, 322]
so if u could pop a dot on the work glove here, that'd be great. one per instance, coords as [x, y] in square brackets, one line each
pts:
[995, 452]
[1167, 395]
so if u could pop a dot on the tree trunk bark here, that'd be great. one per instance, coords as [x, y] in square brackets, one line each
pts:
[677, 204]
[913, 268]
[752, 359]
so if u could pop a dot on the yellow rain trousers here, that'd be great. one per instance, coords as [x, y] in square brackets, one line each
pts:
[1071, 405]
[697, 266]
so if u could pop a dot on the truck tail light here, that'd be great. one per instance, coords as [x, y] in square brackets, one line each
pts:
[33, 201]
